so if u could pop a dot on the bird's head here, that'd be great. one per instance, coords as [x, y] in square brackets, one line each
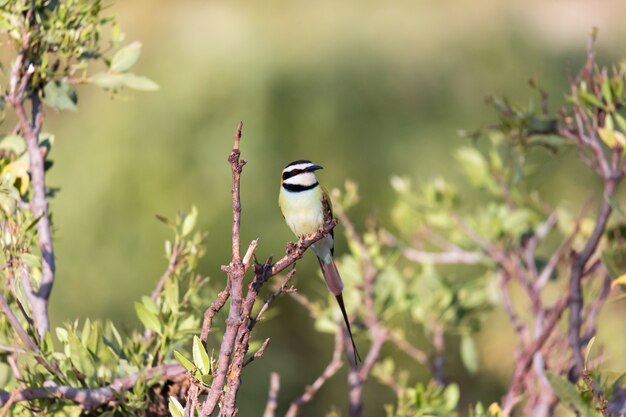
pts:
[301, 172]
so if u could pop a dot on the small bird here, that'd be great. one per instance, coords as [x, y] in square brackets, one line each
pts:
[303, 203]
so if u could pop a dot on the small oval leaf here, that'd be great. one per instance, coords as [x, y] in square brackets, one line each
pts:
[126, 57]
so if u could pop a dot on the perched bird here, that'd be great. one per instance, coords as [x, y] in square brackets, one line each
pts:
[303, 203]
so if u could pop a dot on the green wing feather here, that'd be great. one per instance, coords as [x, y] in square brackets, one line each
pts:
[327, 203]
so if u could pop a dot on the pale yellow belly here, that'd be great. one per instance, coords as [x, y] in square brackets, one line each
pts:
[303, 211]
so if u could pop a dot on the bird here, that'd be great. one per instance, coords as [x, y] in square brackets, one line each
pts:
[303, 203]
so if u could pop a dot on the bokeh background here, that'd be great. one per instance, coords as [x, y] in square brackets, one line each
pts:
[367, 89]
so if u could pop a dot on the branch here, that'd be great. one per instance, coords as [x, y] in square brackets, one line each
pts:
[38, 204]
[272, 297]
[450, 257]
[92, 398]
[172, 265]
[234, 344]
[524, 362]
[17, 327]
[331, 369]
[210, 312]
[236, 168]
[258, 353]
[272, 397]
[401, 343]
[235, 271]
[578, 269]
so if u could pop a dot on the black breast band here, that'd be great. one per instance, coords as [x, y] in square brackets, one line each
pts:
[297, 188]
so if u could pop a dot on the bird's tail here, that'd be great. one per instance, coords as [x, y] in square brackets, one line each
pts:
[335, 286]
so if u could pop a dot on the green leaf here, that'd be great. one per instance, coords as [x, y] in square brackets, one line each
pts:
[452, 395]
[138, 82]
[80, 355]
[200, 356]
[32, 261]
[567, 393]
[150, 304]
[469, 354]
[606, 91]
[113, 81]
[473, 164]
[190, 221]
[148, 318]
[171, 294]
[588, 350]
[126, 57]
[186, 363]
[176, 409]
[620, 122]
[116, 34]
[13, 143]
[61, 334]
[60, 95]
[107, 80]
[589, 98]
[621, 280]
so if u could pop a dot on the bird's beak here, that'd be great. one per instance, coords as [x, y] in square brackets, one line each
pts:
[314, 168]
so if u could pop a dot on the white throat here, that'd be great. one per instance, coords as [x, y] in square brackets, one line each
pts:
[304, 179]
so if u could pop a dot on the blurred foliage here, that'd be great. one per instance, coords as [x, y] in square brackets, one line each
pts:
[95, 353]
[357, 92]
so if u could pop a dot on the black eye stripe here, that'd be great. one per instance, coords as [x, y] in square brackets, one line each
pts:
[291, 173]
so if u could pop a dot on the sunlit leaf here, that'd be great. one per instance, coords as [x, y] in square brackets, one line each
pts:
[469, 354]
[148, 318]
[126, 57]
[13, 143]
[186, 363]
[567, 393]
[60, 95]
[588, 350]
[200, 356]
[175, 408]
[190, 221]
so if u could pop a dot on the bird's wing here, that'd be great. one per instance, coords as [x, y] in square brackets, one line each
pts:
[327, 202]
[327, 205]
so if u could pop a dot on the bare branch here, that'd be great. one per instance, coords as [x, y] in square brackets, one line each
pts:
[272, 396]
[237, 167]
[31, 129]
[577, 272]
[250, 253]
[210, 312]
[172, 265]
[17, 327]
[91, 398]
[401, 343]
[271, 299]
[235, 271]
[258, 353]
[450, 257]
[331, 369]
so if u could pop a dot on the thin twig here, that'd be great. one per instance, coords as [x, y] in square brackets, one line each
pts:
[331, 369]
[577, 272]
[272, 396]
[91, 398]
[258, 353]
[401, 343]
[172, 265]
[210, 312]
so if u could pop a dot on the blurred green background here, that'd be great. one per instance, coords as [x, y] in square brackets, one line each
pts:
[367, 89]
